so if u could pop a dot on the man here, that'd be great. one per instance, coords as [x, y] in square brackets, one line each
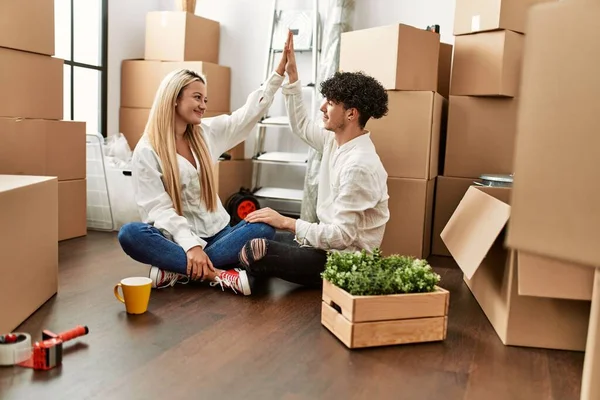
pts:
[352, 204]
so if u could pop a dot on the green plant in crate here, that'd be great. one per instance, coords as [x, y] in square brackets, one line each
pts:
[362, 274]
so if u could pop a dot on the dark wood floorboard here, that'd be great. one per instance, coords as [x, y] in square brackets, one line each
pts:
[198, 342]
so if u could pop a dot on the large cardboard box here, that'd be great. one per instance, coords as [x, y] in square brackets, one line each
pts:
[481, 136]
[181, 36]
[27, 26]
[401, 57]
[556, 198]
[487, 64]
[408, 138]
[472, 16]
[132, 123]
[72, 215]
[444, 69]
[475, 236]
[29, 247]
[408, 232]
[233, 175]
[35, 85]
[448, 193]
[140, 80]
[43, 147]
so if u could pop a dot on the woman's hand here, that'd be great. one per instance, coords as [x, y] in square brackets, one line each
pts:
[199, 265]
[290, 66]
[284, 55]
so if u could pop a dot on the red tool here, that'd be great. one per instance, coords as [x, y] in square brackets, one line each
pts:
[47, 354]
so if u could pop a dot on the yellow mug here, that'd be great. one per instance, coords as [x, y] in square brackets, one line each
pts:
[136, 294]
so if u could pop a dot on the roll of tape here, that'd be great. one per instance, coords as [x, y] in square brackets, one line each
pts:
[16, 352]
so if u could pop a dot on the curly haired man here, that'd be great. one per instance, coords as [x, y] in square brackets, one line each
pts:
[352, 204]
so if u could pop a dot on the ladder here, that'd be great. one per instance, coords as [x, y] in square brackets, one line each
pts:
[305, 27]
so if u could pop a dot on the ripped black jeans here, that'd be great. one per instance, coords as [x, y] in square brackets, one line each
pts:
[283, 258]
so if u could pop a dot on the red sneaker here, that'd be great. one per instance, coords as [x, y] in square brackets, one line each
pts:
[235, 279]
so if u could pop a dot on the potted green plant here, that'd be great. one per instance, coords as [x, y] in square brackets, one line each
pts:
[372, 300]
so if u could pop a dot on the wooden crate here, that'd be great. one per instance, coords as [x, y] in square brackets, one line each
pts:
[368, 321]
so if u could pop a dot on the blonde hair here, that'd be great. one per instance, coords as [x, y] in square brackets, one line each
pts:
[160, 131]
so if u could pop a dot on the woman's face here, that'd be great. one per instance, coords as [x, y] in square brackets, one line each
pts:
[191, 104]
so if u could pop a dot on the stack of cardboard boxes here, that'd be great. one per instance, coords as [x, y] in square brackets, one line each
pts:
[530, 299]
[482, 110]
[174, 40]
[405, 60]
[42, 161]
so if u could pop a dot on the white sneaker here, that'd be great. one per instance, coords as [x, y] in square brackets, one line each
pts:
[235, 279]
[163, 279]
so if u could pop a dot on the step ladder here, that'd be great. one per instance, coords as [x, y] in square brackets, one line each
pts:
[305, 27]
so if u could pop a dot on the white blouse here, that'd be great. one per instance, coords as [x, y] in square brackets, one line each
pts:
[155, 205]
[352, 203]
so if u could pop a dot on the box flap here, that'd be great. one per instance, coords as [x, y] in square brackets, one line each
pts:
[473, 228]
[12, 182]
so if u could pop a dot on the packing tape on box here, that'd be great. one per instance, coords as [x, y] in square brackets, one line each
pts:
[16, 352]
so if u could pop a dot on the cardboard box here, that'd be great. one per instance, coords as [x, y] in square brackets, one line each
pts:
[43, 148]
[448, 193]
[444, 69]
[181, 36]
[477, 16]
[475, 235]
[404, 57]
[140, 81]
[481, 136]
[72, 212]
[35, 84]
[408, 138]
[27, 26]
[408, 232]
[556, 197]
[232, 175]
[29, 215]
[132, 124]
[487, 64]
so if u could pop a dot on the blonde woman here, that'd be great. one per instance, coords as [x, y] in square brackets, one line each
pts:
[185, 233]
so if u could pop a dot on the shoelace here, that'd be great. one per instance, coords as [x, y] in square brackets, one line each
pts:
[229, 280]
[168, 279]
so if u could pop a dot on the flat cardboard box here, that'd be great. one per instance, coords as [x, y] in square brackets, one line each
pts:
[473, 16]
[475, 236]
[181, 36]
[72, 211]
[556, 198]
[487, 64]
[29, 215]
[546, 277]
[140, 80]
[448, 193]
[408, 138]
[132, 124]
[27, 26]
[43, 148]
[481, 136]
[27, 77]
[232, 175]
[445, 69]
[400, 56]
[408, 232]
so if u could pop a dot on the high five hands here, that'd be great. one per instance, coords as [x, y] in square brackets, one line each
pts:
[288, 59]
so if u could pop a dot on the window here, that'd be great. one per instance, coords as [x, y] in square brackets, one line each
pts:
[81, 28]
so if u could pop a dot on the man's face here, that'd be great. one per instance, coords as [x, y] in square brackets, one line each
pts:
[334, 116]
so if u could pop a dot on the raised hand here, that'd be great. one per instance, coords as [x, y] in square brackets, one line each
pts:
[284, 55]
[290, 66]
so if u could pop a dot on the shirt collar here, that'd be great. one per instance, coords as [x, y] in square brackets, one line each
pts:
[359, 141]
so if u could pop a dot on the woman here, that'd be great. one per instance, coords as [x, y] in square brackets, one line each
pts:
[185, 233]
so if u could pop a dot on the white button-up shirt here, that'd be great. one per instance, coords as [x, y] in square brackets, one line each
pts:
[352, 203]
[155, 205]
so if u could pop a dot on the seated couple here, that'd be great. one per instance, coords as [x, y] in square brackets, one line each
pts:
[186, 233]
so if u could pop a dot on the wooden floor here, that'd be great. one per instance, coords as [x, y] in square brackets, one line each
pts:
[200, 343]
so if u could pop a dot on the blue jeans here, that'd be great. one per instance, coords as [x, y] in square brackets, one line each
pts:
[146, 244]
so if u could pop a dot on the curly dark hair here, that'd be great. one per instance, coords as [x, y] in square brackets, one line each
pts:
[357, 90]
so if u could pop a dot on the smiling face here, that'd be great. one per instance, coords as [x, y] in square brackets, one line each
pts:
[335, 116]
[191, 103]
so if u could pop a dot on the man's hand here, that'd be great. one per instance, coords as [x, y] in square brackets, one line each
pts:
[199, 265]
[273, 218]
[284, 55]
[290, 66]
